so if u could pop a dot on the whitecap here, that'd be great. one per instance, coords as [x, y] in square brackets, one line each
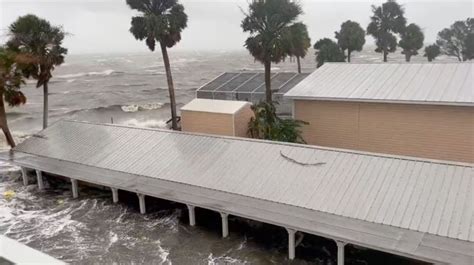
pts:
[163, 254]
[184, 60]
[155, 72]
[130, 108]
[18, 136]
[211, 260]
[103, 73]
[140, 107]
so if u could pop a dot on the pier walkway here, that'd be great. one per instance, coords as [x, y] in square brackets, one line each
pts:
[417, 208]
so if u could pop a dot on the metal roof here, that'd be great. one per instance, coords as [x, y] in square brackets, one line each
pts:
[417, 83]
[13, 252]
[242, 85]
[215, 106]
[424, 201]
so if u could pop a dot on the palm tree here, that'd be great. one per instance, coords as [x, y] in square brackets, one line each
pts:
[160, 21]
[267, 21]
[458, 40]
[431, 52]
[11, 78]
[41, 42]
[411, 41]
[267, 125]
[298, 42]
[351, 37]
[328, 51]
[387, 20]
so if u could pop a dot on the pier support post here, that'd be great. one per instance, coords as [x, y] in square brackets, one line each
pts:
[141, 201]
[291, 243]
[24, 176]
[225, 224]
[340, 252]
[39, 179]
[75, 188]
[115, 197]
[192, 215]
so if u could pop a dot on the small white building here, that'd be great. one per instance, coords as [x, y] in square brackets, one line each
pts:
[221, 117]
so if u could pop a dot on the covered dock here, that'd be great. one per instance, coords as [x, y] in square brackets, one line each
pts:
[417, 208]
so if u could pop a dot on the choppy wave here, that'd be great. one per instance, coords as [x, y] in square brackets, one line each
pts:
[184, 60]
[211, 260]
[153, 66]
[155, 72]
[140, 107]
[18, 137]
[102, 73]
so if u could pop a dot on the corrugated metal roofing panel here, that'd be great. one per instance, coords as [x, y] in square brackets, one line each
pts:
[421, 195]
[394, 198]
[466, 91]
[422, 83]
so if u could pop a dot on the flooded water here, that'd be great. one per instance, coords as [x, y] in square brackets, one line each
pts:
[131, 89]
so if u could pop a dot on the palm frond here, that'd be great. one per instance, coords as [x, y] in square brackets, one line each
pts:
[159, 21]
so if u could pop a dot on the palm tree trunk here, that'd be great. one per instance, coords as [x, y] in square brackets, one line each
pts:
[4, 124]
[348, 56]
[169, 77]
[45, 104]
[299, 64]
[407, 57]
[268, 85]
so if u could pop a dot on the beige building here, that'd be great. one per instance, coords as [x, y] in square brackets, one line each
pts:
[422, 110]
[220, 117]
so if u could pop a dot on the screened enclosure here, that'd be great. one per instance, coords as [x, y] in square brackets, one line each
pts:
[250, 86]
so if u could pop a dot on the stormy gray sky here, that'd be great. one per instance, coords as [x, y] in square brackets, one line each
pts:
[97, 26]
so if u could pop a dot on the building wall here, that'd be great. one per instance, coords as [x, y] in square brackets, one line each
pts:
[241, 121]
[438, 132]
[206, 122]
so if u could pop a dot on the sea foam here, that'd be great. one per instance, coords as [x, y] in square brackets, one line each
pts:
[103, 73]
[140, 107]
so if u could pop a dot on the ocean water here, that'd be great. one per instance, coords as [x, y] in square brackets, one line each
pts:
[131, 89]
